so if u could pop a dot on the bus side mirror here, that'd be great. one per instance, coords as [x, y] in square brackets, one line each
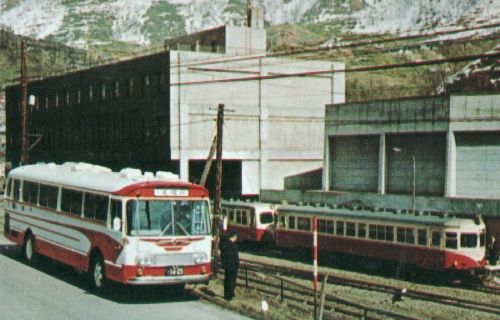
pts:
[117, 224]
[224, 223]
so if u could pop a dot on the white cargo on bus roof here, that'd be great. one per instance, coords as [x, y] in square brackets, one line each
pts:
[89, 176]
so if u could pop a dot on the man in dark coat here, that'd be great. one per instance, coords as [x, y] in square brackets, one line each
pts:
[230, 262]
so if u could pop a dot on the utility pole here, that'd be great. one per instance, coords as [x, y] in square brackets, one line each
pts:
[24, 109]
[218, 186]
[218, 181]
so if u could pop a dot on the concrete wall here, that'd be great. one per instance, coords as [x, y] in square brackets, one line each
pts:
[274, 125]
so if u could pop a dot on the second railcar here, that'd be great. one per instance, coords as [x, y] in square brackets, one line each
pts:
[427, 242]
[252, 221]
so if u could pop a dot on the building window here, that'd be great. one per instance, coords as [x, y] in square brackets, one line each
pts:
[103, 91]
[91, 93]
[130, 87]
[67, 98]
[78, 96]
[145, 85]
[116, 89]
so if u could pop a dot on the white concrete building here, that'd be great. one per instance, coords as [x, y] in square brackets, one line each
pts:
[274, 122]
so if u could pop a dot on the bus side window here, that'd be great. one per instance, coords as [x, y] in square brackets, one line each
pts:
[96, 207]
[8, 188]
[17, 189]
[71, 201]
[48, 196]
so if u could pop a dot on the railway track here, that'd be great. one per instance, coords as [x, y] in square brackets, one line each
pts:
[378, 287]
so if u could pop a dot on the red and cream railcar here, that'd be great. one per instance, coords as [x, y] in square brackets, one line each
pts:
[252, 221]
[428, 242]
[126, 226]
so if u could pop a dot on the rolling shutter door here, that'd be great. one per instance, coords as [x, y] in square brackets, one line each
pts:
[429, 151]
[478, 164]
[354, 163]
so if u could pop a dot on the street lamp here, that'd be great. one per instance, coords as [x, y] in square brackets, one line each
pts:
[396, 149]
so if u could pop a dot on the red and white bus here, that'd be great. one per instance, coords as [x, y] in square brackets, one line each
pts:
[125, 226]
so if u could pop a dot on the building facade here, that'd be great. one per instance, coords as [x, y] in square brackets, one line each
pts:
[157, 112]
[450, 144]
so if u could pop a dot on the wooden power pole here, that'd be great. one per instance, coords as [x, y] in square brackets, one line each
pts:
[24, 108]
[218, 168]
[218, 187]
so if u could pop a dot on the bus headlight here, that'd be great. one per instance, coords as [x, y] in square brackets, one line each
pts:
[144, 259]
[200, 258]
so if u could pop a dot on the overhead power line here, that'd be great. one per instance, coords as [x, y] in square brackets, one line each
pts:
[347, 70]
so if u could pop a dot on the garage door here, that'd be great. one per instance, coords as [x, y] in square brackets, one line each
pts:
[478, 164]
[354, 163]
[429, 151]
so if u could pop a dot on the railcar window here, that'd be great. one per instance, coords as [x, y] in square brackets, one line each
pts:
[95, 207]
[340, 228]
[468, 240]
[252, 218]
[283, 221]
[436, 238]
[451, 241]
[48, 196]
[30, 192]
[304, 224]
[389, 233]
[325, 226]
[405, 235]
[381, 232]
[266, 217]
[244, 217]
[231, 215]
[482, 239]
[17, 189]
[350, 229]
[372, 232]
[71, 201]
[238, 216]
[422, 237]
[291, 222]
[361, 230]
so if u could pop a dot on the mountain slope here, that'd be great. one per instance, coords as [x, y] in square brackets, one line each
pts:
[93, 22]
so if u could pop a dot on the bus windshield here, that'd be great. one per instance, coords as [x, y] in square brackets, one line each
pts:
[167, 218]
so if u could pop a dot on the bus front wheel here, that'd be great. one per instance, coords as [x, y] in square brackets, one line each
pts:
[97, 274]
[29, 253]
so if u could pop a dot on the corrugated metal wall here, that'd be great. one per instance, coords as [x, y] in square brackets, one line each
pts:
[354, 163]
[429, 151]
[478, 164]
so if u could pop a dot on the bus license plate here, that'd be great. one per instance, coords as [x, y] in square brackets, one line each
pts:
[175, 271]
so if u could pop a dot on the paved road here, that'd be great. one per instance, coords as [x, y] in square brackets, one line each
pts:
[52, 291]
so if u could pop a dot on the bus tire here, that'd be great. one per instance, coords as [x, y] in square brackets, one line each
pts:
[29, 253]
[97, 274]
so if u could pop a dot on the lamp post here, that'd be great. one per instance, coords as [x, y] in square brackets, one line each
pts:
[397, 150]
